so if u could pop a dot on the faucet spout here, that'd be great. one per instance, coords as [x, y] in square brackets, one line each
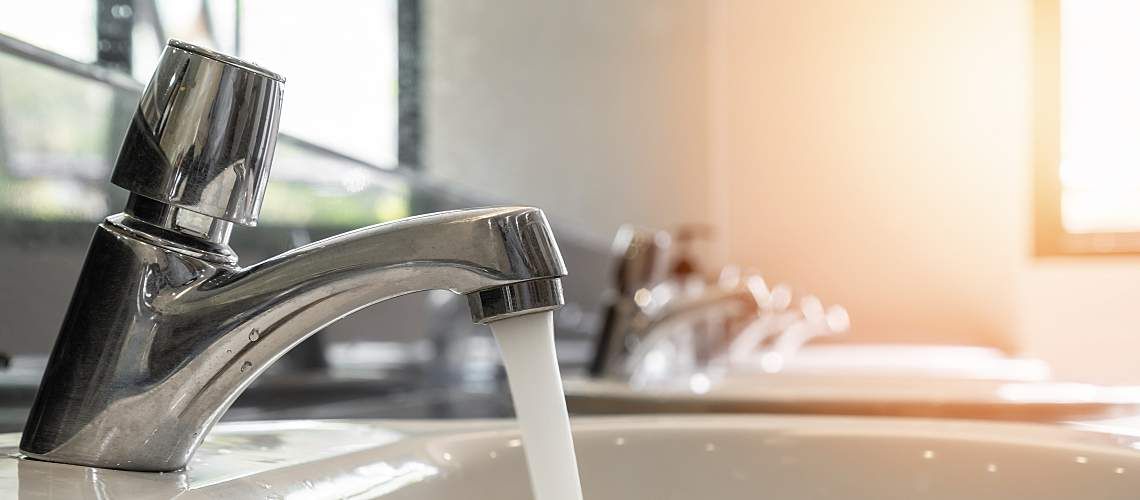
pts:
[163, 335]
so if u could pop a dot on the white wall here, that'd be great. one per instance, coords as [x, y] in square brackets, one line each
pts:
[594, 110]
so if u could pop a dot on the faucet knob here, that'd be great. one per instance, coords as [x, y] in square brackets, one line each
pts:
[203, 136]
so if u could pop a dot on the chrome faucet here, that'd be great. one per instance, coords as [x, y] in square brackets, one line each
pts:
[165, 329]
[639, 255]
[646, 295]
[659, 330]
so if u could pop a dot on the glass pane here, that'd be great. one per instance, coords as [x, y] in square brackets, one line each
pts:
[339, 59]
[308, 188]
[208, 23]
[63, 26]
[58, 137]
[1100, 116]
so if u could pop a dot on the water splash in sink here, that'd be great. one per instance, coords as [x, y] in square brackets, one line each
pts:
[527, 345]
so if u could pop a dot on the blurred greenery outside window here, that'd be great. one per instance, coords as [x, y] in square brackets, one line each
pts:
[59, 133]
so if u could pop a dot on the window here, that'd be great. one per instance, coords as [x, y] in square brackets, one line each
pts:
[339, 57]
[1088, 127]
[62, 121]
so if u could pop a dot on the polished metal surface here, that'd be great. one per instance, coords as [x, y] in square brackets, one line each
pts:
[503, 302]
[158, 342]
[165, 329]
[180, 220]
[203, 135]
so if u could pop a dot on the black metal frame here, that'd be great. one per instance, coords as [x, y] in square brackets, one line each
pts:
[114, 27]
[409, 74]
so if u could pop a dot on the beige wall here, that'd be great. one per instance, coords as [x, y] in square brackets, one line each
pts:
[879, 153]
[595, 110]
[1082, 315]
[876, 152]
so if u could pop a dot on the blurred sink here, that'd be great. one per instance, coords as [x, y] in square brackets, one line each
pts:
[902, 360]
[869, 380]
[721, 457]
[867, 396]
[863, 379]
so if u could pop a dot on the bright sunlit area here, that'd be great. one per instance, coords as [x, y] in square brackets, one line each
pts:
[341, 69]
[1100, 116]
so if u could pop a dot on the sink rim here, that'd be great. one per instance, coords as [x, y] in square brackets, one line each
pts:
[887, 397]
[1092, 436]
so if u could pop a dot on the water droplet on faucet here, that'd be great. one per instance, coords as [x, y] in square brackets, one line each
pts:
[245, 366]
[254, 335]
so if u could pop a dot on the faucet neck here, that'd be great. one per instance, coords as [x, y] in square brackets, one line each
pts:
[179, 220]
[176, 229]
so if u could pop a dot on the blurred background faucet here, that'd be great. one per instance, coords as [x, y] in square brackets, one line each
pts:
[165, 329]
[665, 320]
[639, 256]
[657, 281]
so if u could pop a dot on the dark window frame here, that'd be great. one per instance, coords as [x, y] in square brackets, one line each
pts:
[409, 73]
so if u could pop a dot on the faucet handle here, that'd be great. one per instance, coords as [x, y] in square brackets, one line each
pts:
[203, 135]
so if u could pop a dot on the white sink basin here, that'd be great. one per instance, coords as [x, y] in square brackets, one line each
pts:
[700, 457]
